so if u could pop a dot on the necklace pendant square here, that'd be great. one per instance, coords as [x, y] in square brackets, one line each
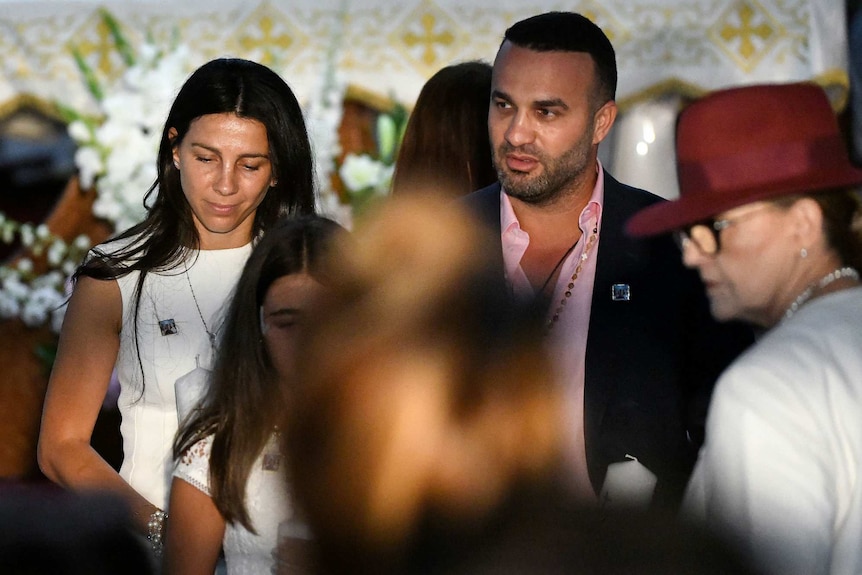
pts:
[168, 326]
[271, 461]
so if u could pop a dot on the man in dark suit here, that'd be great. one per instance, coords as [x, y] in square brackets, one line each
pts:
[627, 324]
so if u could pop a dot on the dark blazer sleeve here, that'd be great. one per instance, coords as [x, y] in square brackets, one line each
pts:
[484, 207]
[652, 360]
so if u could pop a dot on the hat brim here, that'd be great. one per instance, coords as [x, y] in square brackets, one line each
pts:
[696, 207]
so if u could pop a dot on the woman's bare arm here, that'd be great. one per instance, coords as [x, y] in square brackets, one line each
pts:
[87, 352]
[194, 533]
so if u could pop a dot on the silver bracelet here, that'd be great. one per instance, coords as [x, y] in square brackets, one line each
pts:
[155, 529]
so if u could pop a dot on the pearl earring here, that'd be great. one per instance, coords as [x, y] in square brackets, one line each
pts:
[803, 253]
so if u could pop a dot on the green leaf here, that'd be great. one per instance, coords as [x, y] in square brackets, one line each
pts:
[67, 114]
[123, 46]
[89, 76]
[386, 134]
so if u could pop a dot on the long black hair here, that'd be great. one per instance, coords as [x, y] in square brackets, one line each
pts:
[163, 240]
[244, 399]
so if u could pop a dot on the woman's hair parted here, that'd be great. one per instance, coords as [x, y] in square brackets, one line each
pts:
[167, 235]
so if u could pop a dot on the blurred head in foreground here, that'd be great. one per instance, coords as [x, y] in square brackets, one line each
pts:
[423, 393]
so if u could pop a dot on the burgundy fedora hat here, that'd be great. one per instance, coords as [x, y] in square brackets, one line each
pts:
[751, 143]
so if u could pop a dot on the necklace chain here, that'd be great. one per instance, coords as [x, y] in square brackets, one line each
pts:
[801, 299]
[211, 335]
[557, 266]
[568, 293]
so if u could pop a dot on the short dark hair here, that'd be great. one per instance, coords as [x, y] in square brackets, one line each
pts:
[569, 32]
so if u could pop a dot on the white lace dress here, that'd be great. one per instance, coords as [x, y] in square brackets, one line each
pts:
[267, 501]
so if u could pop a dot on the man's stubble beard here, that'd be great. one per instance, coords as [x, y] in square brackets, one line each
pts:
[558, 174]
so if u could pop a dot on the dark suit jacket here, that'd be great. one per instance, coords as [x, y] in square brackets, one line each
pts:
[651, 361]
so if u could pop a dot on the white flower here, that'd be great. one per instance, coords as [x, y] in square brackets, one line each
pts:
[82, 242]
[68, 267]
[119, 157]
[9, 305]
[8, 232]
[89, 162]
[41, 302]
[56, 252]
[361, 172]
[33, 314]
[15, 288]
[28, 235]
[80, 131]
[25, 265]
[116, 157]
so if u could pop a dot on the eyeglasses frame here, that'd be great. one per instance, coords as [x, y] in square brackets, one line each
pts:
[715, 226]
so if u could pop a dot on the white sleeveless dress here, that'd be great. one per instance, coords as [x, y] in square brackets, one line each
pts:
[149, 411]
[267, 501]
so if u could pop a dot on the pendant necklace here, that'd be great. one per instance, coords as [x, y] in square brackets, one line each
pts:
[557, 266]
[845, 272]
[210, 334]
[562, 305]
[272, 452]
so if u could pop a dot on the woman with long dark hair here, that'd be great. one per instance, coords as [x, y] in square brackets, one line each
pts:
[234, 156]
[228, 487]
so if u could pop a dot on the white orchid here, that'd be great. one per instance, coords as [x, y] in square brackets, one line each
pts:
[116, 157]
[80, 131]
[361, 172]
[90, 164]
[117, 152]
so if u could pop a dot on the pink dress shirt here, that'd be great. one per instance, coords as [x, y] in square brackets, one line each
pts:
[568, 337]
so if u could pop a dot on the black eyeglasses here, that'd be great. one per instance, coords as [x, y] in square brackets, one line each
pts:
[706, 235]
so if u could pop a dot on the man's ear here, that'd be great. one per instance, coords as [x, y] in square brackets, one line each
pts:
[603, 121]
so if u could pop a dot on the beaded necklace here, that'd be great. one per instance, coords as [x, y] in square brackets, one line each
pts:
[556, 267]
[568, 293]
[845, 272]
